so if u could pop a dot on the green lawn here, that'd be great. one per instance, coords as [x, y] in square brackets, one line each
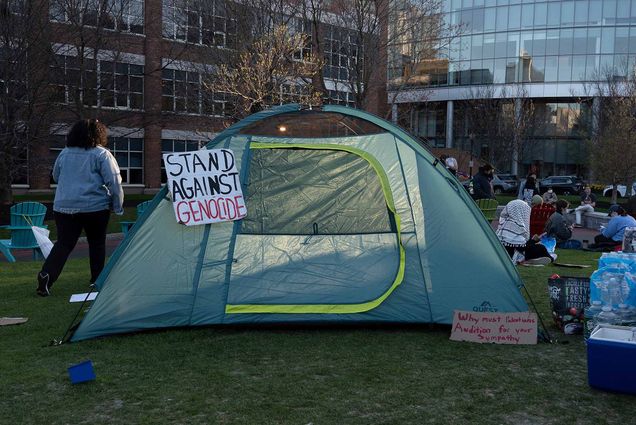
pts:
[289, 375]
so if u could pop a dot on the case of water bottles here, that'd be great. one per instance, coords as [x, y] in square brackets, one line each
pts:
[610, 358]
[612, 292]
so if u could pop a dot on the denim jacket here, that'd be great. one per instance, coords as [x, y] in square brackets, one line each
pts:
[88, 180]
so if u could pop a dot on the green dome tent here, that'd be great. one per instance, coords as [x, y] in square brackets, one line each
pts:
[348, 219]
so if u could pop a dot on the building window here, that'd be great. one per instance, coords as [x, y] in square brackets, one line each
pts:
[300, 26]
[344, 98]
[183, 92]
[57, 142]
[295, 93]
[129, 153]
[12, 77]
[105, 83]
[431, 125]
[174, 145]
[118, 15]
[199, 22]
[341, 53]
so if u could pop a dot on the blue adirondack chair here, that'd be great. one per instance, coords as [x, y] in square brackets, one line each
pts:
[126, 225]
[22, 217]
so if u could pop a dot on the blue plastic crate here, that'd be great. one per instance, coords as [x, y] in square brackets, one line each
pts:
[81, 372]
[610, 359]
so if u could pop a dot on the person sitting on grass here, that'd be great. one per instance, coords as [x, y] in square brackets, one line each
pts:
[612, 235]
[514, 233]
[557, 225]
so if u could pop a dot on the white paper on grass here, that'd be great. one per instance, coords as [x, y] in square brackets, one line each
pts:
[42, 238]
[80, 298]
[204, 186]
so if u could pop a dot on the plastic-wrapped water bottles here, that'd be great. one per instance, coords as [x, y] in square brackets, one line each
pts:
[612, 287]
[590, 317]
[624, 315]
[615, 291]
[618, 260]
[606, 317]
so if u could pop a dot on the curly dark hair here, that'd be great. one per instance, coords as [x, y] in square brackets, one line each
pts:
[87, 133]
[562, 205]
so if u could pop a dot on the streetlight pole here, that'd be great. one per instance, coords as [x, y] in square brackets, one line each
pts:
[471, 137]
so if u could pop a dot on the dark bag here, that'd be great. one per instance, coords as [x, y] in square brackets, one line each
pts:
[568, 298]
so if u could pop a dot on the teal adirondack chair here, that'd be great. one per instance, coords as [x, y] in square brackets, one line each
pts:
[126, 225]
[23, 216]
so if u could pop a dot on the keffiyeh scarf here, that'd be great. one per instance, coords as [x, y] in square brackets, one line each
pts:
[514, 224]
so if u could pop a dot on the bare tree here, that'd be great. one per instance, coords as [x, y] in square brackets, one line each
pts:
[500, 118]
[24, 55]
[612, 129]
[418, 42]
[266, 73]
[358, 39]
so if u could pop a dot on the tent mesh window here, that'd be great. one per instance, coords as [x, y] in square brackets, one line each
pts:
[306, 191]
[312, 124]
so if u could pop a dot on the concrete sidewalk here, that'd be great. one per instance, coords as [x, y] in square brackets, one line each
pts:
[81, 249]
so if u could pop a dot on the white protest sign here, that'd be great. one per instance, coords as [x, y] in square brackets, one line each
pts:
[205, 186]
[498, 328]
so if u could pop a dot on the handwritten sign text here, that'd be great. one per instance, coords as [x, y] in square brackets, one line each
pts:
[498, 328]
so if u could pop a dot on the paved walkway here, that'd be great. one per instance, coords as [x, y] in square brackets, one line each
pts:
[80, 251]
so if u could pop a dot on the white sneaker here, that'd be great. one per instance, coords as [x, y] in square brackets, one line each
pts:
[541, 261]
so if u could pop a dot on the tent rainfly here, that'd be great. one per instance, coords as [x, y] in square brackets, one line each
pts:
[349, 219]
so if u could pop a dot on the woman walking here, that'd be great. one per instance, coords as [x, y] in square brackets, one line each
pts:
[88, 188]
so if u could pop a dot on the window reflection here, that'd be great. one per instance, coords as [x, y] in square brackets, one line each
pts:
[504, 41]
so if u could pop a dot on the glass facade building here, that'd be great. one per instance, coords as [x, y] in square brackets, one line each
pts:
[555, 50]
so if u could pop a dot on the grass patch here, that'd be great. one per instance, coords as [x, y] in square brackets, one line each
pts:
[326, 375]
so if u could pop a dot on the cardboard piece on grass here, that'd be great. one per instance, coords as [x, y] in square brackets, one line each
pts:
[572, 266]
[80, 298]
[497, 328]
[7, 321]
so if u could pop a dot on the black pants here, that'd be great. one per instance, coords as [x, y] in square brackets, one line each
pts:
[531, 251]
[602, 240]
[69, 229]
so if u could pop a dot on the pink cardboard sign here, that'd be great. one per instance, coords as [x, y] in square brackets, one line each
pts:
[497, 328]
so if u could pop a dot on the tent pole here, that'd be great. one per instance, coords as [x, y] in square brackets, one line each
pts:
[68, 333]
[545, 329]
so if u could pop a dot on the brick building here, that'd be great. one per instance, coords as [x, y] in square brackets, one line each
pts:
[140, 68]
